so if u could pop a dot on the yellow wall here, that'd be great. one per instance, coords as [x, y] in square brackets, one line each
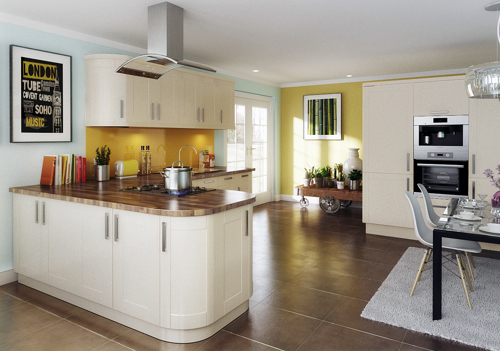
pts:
[125, 144]
[297, 153]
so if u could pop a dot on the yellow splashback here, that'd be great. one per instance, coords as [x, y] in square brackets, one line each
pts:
[164, 144]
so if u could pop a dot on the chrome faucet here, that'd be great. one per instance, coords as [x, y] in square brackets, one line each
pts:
[184, 147]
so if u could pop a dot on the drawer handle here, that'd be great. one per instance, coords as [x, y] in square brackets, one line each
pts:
[121, 108]
[228, 178]
[152, 111]
[163, 236]
[203, 114]
[243, 176]
[106, 226]
[197, 114]
[246, 232]
[43, 213]
[158, 111]
[116, 228]
[473, 163]
[220, 116]
[208, 181]
[36, 211]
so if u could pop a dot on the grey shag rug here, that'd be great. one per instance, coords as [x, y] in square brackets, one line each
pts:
[479, 327]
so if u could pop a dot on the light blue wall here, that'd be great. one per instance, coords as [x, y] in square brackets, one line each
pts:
[21, 162]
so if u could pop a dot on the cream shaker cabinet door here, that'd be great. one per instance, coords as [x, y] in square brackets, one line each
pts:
[243, 182]
[108, 95]
[384, 201]
[196, 101]
[190, 247]
[136, 265]
[30, 226]
[227, 182]
[388, 128]
[441, 97]
[224, 104]
[233, 238]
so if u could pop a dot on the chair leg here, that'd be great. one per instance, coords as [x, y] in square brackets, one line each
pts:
[466, 273]
[468, 257]
[420, 270]
[429, 253]
[472, 259]
[461, 271]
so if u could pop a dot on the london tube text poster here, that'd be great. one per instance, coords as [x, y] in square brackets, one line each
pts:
[41, 82]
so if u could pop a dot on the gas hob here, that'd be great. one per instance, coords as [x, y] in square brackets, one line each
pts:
[159, 189]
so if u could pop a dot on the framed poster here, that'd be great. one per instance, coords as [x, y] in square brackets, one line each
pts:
[40, 96]
[322, 117]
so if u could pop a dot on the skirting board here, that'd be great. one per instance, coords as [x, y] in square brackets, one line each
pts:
[7, 277]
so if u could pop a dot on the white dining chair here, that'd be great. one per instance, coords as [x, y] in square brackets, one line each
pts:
[433, 219]
[424, 235]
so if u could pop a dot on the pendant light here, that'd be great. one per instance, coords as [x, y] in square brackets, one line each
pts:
[483, 81]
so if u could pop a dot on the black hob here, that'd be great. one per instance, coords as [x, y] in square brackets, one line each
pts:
[159, 189]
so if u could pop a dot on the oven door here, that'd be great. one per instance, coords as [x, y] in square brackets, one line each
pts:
[442, 177]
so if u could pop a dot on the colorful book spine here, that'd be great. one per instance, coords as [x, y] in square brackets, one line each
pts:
[48, 168]
[78, 169]
[84, 169]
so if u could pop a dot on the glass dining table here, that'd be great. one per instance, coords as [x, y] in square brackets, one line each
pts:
[452, 226]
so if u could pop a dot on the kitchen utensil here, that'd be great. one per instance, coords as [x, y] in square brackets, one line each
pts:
[177, 178]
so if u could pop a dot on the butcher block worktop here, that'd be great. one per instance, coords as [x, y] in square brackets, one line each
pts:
[108, 194]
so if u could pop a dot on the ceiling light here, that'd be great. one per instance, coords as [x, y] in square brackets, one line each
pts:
[483, 81]
[255, 71]
[349, 75]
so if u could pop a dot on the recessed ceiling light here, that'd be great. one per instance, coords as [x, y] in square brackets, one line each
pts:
[255, 71]
[349, 76]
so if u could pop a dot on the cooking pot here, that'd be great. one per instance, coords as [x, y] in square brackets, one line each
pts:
[178, 177]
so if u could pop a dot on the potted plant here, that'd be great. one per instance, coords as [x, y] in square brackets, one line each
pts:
[308, 175]
[101, 162]
[318, 180]
[340, 176]
[354, 179]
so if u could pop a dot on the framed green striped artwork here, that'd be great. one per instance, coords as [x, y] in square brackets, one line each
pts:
[322, 117]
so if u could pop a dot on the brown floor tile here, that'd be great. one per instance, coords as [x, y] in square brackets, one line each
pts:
[142, 342]
[275, 327]
[21, 320]
[369, 241]
[7, 301]
[436, 343]
[335, 282]
[364, 289]
[309, 302]
[55, 306]
[263, 287]
[348, 314]
[112, 346]
[379, 271]
[98, 324]
[62, 335]
[330, 337]
[21, 291]
[331, 265]
[406, 347]
[224, 341]
[275, 270]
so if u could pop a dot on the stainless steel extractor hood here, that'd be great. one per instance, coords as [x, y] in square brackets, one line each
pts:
[165, 44]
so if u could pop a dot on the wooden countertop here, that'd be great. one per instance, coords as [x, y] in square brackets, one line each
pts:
[108, 194]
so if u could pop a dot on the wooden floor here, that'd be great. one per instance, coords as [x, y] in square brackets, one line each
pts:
[313, 275]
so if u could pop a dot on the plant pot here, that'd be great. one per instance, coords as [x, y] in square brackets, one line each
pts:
[340, 184]
[331, 183]
[318, 182]
[101, 173]
[306, 181]
[354, 184]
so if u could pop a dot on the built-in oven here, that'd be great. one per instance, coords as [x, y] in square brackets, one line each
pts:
[441, 155]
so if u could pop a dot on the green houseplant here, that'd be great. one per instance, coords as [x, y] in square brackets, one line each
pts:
[340, 176]
[318, 180]
[101, 162]
[354, 179]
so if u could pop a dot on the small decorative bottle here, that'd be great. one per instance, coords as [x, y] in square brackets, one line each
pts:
[148, 160]
[143, 162]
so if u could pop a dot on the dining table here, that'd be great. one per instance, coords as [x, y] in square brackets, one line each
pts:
[451, 225]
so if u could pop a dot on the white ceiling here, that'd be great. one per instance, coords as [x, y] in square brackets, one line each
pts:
[292, 41]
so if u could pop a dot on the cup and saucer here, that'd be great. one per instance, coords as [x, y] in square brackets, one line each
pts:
[467, 216]
[491, 228]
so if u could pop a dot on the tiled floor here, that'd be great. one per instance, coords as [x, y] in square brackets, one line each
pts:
[313, 275]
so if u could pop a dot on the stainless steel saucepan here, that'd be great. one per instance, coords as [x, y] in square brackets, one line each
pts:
[177, 177]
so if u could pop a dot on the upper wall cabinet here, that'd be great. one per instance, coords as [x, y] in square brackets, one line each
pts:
[181, 98]
[438, 96]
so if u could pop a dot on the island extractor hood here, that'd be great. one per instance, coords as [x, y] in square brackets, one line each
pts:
[165, 44]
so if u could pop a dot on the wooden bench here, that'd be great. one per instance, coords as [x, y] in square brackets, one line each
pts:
[330, 199]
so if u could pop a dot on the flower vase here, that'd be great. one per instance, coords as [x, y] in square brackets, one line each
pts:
[495, 200]
[353, 162]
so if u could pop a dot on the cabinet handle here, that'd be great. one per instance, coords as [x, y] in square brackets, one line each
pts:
[106, 226]
[229, 178]
[246, 232]
[158, 111]
[408, 162]
[197, 114]
[121, 108]
[238, 188]
[245, 175]
[407, 184]
[152, 111]
[439, 112]
[43, 213]
[116, 227]
[203, 114]
[163, 236]
[220, 116]
[36, 211]
[208, 181]
[473, 163]
[473, 190]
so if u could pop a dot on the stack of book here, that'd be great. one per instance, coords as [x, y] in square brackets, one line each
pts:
[63, 169]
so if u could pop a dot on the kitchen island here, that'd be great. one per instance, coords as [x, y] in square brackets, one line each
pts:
[176, 268]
